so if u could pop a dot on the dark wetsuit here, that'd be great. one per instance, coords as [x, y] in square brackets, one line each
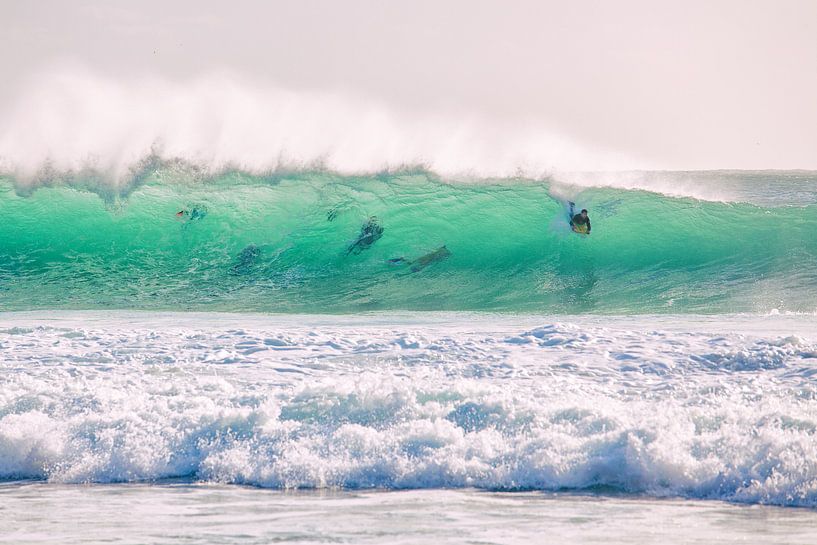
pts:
[578, 220]
[369, 234]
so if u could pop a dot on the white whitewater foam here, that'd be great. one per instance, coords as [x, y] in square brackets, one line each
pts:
[708, 413]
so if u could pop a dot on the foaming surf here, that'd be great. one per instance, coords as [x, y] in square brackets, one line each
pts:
[631, 406]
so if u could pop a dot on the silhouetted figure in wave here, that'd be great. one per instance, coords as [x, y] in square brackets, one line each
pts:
[424, 261]
[192, 214]
[369, 234]
[246, 259]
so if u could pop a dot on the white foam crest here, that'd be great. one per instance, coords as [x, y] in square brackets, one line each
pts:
[674, 184]
[71, 120]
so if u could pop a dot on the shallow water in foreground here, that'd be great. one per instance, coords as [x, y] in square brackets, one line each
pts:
[36, 513]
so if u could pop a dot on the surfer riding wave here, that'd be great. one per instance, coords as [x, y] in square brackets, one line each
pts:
[580, 223]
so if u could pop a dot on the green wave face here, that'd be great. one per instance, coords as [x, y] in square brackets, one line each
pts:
[282, 245]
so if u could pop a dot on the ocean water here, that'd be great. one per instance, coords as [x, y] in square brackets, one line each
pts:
[251, 372]
[208, 513]
[280, 243]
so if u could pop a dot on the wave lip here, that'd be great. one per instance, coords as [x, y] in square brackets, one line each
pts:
[561, 406]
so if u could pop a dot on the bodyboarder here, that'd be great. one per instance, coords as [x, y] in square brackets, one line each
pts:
[580, 223]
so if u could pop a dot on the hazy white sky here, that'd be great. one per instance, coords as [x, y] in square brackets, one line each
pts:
[674, 84]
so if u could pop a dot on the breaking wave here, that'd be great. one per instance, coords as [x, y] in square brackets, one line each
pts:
[291, 242]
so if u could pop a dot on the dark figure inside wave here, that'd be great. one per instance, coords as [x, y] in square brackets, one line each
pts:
[246, 259]
[424, 261]
[369, 234]
[192, 214]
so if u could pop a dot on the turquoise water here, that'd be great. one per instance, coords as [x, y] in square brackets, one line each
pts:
[280, 244]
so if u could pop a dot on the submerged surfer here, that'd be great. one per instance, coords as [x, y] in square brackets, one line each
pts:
[195, 213]
[369, 234]
[422, 262]
[580, 223]
[246, 260]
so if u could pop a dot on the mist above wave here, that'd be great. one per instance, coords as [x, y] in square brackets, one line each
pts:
[68, 125]
[68, 120]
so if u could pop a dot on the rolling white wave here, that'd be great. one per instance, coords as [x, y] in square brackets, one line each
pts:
[648, 410]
